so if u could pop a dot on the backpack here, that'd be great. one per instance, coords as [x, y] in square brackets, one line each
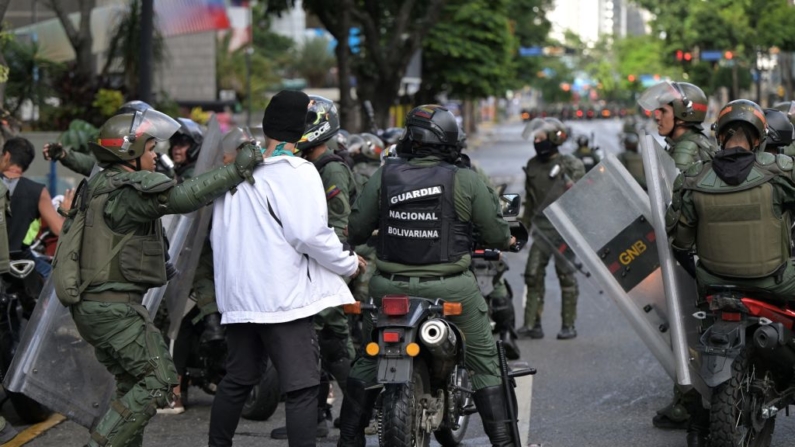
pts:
[66, 262]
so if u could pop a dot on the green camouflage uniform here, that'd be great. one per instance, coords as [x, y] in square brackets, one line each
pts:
[706, 210]
[110, 316]
[633, 161]
[473, 203]
[331, 323]
[540, 191]
[5, 257]
[690, 147]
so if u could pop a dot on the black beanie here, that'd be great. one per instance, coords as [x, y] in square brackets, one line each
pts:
[285, 116]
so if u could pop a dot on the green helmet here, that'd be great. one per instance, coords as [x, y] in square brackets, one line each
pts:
[688, 101]
[234, 139]
[123, 137]
[741, 110]
[787, 107]
[554, 129]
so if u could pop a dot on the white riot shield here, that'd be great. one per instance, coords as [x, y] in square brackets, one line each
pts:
[680, 288]
[55, 367]
[606, 220]
[186, 235]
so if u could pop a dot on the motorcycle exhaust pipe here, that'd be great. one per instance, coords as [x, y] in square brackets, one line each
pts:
[771, 342]
[438, 338]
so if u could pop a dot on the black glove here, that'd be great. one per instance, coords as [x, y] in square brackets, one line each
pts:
[685, 259]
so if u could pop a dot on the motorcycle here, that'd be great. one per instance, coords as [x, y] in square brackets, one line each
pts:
[748, 359]
[206, 366]
[19, 288]
[420, 356]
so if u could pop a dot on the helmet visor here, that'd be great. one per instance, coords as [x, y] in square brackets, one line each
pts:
[537, 126]
[659, 95]
[154, 124]
[234, 139]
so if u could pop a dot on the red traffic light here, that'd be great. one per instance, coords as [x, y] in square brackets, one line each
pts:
[728, 55]
[679, 55]
[631, 78]
[688, 57]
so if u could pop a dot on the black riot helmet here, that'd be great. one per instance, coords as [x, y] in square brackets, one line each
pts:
[133, 106]
[322, 123]
[780, 131]
[189, 133]
[582, 141]
[430, 130]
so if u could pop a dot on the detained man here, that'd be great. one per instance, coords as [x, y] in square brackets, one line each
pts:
[277, 264]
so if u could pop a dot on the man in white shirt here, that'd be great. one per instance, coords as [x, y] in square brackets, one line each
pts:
[277, 264]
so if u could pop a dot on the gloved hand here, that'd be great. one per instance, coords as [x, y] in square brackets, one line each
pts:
[248, 157]
[53, 151]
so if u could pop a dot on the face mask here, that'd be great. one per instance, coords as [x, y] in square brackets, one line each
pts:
[545, 148]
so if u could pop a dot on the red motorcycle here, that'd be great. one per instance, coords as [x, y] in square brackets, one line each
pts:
[748, 356]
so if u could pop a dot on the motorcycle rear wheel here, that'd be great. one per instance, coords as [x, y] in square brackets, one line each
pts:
[264, 397]
[735, 416]
[446, 435]
[402, 409]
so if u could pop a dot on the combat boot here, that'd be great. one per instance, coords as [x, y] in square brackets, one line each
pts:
[567, 333]
[357, 406]
[535, 332]
[493, 409]
[213, 331]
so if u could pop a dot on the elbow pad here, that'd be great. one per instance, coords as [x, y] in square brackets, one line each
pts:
[199, 191]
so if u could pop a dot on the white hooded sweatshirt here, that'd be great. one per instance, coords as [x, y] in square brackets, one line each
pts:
[276, 259]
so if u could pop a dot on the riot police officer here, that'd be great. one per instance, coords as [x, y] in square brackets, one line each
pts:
[121, 256]
[429, 257]
[741, 175]
[588, 156]
[631, 159]
[679, 109]
[185, 146]
[542, 187]
[788, 107]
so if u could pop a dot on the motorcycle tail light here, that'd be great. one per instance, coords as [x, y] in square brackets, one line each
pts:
[731, 316]
[395, 305]
[391, 337]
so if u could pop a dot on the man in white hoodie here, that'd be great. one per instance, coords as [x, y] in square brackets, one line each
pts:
[277, 264]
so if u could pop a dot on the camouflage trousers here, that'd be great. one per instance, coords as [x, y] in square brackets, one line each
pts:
[132, 349]
[534, 275]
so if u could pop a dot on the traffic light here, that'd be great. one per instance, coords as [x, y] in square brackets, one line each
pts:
[688, 57]
[680, 55]
[728, 55]
[631, 78]
[683, 57]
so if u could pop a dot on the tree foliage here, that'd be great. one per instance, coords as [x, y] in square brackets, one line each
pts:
[469, 54]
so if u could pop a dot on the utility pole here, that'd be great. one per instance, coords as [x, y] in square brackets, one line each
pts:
[145, 66]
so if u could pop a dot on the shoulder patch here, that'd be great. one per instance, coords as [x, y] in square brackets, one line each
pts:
[784, 162]
[694, 169]
[144, 181]
[764, 158]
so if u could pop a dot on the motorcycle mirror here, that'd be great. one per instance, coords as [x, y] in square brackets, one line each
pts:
[510, 205]
[554, 171]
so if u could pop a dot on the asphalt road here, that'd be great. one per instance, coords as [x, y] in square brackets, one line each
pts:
[598, 390]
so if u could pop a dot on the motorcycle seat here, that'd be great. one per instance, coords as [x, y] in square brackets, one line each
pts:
[749, 292]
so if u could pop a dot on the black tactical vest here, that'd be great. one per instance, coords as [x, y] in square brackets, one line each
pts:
[24, 210]
[418, 223]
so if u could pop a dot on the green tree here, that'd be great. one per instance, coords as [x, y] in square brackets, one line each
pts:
[22, 57]
[312, 61]
[530, 28]
[469, 53]
[124, 54]
[231, 73]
